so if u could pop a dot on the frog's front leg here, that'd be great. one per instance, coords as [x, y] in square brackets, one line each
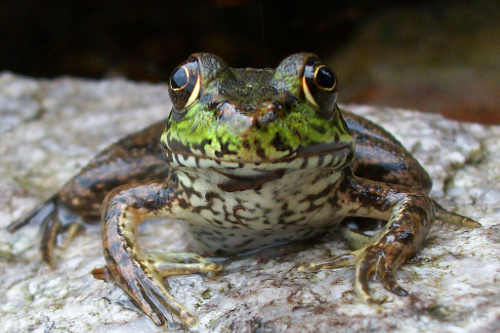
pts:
[138, 272]
[409, 214]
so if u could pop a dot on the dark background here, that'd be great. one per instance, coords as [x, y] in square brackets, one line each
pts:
[436, 56]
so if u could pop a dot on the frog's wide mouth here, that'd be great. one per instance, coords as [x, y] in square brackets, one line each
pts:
[320, 156]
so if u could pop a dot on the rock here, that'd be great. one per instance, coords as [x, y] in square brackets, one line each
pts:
[51, 128]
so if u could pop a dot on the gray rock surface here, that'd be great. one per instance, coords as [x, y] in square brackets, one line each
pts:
[50, 128]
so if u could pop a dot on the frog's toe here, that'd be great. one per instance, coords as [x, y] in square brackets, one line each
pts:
[50, 228]
[391, 284]
[147, 291]
[143, 279]
[175, 263]
[372, 262]
[45, 215]
[151, 295]
[446, 216]
[340, 261]
[53, 219]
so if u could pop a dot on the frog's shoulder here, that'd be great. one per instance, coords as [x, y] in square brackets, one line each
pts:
[361, 127]
[381, 157]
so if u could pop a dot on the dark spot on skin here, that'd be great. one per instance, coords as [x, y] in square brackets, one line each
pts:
[290, 102]
[416, 210]
[184, 204]
[224, 150]
[313, 197]
[305, 161]
[178, 161]
[210, 195]
[260, 151]
[321, 159]
[278, 144]
[319, 129]
[376, 172]
[245, 243]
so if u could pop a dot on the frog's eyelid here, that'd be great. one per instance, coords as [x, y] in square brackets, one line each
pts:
[194, 95]
[307, 93]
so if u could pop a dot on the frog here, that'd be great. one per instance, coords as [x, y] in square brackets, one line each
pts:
[246, 159]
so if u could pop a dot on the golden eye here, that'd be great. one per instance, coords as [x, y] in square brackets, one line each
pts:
[319, 86]
[185, 85]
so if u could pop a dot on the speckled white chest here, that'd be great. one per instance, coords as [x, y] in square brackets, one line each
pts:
[292, 207]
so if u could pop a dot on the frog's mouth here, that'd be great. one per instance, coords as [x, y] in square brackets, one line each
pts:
[334, 156]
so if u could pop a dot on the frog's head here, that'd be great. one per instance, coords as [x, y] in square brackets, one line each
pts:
[256, 119]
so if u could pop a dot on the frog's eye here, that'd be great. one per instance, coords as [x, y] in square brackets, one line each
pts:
[319, 85]
[184, 88]
[325, 78]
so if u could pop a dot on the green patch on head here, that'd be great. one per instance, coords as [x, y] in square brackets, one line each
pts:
[240, 139]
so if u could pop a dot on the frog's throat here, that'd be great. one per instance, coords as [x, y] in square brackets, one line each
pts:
[334, 159]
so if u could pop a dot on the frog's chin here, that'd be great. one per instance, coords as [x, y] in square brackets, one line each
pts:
[332, 160]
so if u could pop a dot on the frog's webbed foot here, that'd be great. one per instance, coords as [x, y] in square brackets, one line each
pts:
[142, 278]
[368, 263]
[53, 219]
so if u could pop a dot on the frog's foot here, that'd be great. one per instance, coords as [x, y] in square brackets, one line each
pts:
[375, 260]
[446, 216]
[370, 257]
[142, 277]
[53, 219]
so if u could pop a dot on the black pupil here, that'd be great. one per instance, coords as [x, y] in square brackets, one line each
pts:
[179, 78]
[325, 78]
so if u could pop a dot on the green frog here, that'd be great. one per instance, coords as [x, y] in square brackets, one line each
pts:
[254, 157]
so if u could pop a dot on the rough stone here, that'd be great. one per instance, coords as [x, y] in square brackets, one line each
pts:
[50, 128]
